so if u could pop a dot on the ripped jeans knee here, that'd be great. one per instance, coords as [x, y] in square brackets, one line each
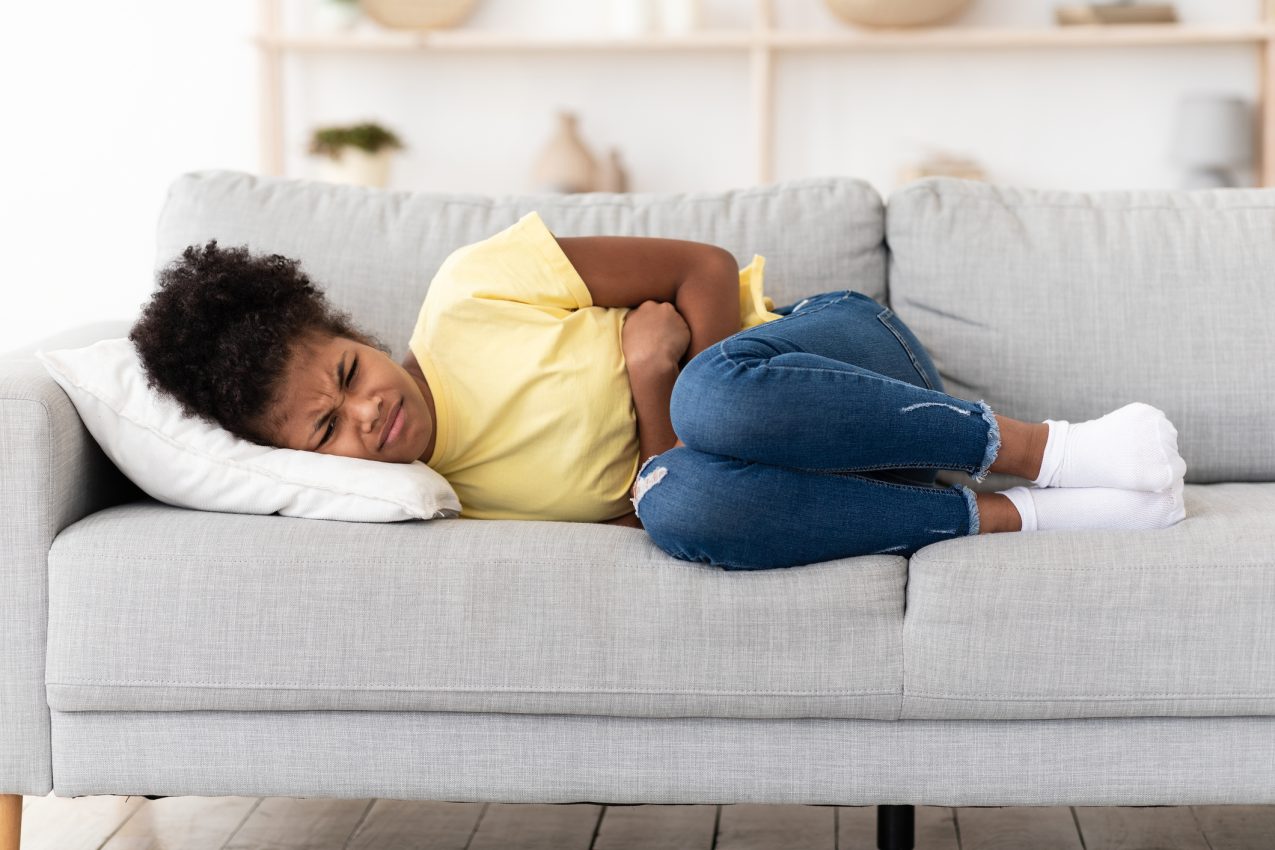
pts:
[645, 482]
[660, 500]
[686, 507]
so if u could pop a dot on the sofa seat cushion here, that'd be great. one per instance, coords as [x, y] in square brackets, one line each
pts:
[1177, 621]
[157, 608]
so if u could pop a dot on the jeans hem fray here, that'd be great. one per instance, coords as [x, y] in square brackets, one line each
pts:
[972, 505]
[993, 442]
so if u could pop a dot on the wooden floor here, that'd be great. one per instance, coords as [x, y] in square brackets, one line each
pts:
[283, 823]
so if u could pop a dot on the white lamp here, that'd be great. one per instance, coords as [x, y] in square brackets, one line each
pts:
[1212, 138]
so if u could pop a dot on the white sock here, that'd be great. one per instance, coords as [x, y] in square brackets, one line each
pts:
[1134, 447]
[1097, 507]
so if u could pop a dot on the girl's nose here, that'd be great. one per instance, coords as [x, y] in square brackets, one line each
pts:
[371, 413]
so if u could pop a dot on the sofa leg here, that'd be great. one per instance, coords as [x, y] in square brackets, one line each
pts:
[10, 821]
[895, 826]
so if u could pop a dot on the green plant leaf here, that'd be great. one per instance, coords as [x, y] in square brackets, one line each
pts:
[368, 136]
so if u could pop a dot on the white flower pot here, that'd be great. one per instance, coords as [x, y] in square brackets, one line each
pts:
[333, 17]
[358, 167]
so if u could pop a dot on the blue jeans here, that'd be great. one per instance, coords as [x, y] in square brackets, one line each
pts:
[812, 437]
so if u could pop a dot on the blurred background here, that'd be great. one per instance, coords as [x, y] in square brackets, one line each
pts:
[105, 104]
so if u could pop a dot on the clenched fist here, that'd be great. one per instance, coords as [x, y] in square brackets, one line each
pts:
[655, 336]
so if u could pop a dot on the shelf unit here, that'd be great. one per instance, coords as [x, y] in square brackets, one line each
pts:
[763, 42]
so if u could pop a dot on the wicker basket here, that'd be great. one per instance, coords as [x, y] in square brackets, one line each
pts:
[897, 13]
[418, 14]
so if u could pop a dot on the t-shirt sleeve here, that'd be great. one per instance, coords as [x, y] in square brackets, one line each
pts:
[522, 263]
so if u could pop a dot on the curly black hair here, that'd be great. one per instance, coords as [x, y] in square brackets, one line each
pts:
[221, 328]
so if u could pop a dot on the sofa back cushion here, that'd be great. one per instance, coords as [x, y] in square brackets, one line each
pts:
[374, 251]
[1067, 305]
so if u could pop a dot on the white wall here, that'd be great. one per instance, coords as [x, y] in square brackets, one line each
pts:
[103, 104]
[99, 116]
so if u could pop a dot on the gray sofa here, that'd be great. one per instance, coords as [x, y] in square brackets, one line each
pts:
[161, 651]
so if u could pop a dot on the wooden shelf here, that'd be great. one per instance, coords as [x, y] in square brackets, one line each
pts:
[459, 40]
[991, 37]
[952, 37]
[763, 44]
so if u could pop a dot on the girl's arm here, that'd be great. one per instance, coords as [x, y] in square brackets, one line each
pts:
[699, 279]
[652, 387]
[652, 391]
[710, 307]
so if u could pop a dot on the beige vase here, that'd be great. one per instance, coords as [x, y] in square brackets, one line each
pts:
[565, 163]
[357, 167]
[897, 13]
[611, 176]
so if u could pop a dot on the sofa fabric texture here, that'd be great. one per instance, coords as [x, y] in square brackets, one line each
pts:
[471, 615]
[53, 474]
[463, 756]
[1173, 621]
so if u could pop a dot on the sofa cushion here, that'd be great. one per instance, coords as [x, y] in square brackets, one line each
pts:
[374, 251]
[156, 608]
[1067, 305]
[1055, 624]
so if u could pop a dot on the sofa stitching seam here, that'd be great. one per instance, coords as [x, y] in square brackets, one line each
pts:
[149, 682]
[1159, 695]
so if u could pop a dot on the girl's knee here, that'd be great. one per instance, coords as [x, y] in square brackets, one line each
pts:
[650, 474]
[671, 500]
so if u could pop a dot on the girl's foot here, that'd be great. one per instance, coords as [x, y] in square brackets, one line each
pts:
[1134, 447]
[1097, 507]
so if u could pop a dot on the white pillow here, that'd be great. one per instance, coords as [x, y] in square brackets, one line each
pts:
[191, 463]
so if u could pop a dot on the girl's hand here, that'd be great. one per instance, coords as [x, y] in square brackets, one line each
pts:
[654, 336]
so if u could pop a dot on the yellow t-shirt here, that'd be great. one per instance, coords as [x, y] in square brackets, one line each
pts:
[535, 416]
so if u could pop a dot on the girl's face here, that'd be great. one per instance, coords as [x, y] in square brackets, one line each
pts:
[342, 397]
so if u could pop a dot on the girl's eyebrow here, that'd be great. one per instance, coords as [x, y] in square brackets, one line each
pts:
[340, 380]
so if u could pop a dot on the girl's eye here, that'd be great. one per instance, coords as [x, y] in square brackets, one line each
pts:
[349, 380]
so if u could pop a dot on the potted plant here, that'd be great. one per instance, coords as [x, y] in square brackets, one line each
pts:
[358, 154]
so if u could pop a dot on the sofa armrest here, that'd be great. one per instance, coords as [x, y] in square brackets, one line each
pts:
[73, 337]
[52, 473]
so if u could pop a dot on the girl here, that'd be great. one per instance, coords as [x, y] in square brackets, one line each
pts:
[542, 371]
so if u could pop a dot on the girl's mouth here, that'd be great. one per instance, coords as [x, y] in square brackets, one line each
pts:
[396, 425]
